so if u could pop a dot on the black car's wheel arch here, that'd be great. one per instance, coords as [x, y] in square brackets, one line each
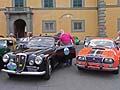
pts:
[1, 62]
[48, 69]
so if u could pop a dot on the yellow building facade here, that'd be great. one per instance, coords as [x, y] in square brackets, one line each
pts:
[79, 17]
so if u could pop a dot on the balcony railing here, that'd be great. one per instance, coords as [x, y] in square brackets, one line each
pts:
[18, 10]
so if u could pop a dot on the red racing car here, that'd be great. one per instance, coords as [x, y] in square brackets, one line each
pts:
[100, 54]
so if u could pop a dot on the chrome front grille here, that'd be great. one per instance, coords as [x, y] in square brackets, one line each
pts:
[20, 62]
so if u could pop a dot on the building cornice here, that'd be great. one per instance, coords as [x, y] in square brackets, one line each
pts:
[112, 6]
[2, 9]
[82, 8]
[60, 8]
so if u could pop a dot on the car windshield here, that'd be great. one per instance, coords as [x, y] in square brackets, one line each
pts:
[3, 43]
[41, 42]
[101, 43]
[24, 40]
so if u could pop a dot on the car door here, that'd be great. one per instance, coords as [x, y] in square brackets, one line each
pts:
[65, 52]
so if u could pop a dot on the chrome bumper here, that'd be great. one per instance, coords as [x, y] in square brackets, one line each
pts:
[96, 68]
[24, 73]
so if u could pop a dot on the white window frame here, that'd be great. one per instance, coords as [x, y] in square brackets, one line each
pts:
[44, 30]
[13, 3]
[78, 21]
[54, 5]
[83, 2]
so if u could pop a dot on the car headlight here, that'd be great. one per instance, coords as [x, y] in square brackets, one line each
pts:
[6, 58]
[31, 62]
[38, 60]
[108, 61]
[81, 58]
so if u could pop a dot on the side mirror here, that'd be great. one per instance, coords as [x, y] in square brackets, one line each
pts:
[117, 42]
[10, 43]
[86, 44]
[17, 47]
[117, 48]
[57, 43]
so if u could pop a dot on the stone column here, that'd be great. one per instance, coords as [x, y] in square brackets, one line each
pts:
[101, 18]
[8, 25]
[29, 23]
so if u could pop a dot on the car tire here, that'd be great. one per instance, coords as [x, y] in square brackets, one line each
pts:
[48, 72]
[116, 72]
[11, 75]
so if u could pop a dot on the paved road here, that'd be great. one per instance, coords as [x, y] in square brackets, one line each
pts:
[65, 78]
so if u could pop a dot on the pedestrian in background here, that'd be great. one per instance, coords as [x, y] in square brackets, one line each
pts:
[40, 35]
[118, 37]
[12, 36]
[57, 36]
[117, 40]
[29, 35]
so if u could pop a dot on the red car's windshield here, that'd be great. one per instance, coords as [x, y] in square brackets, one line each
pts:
[101, 43]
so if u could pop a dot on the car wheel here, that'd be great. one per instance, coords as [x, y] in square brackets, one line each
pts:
[11, 75]
[48, 72]
[116, 72]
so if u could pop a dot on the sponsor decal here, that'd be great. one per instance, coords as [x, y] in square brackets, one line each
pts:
[66, 51]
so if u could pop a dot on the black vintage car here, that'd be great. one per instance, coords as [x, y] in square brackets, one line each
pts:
[39, 57]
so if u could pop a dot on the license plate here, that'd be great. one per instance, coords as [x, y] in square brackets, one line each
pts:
[32, 69]
[94, 64]
[93, 67]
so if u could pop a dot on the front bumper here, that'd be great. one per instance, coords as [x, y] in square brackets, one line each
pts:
[24, 73]
[96, 68]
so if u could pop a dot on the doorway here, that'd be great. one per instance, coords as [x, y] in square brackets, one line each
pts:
[19, 28]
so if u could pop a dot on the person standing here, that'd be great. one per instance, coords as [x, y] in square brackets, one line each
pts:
[66, 39]
[29, 36]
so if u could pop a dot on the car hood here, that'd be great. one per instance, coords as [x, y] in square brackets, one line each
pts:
[34, 50]
[97, 51]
